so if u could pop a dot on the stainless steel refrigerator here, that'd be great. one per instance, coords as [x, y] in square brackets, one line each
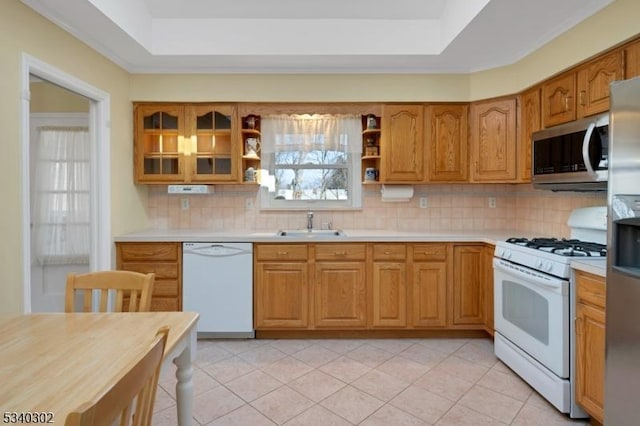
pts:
[622, 365]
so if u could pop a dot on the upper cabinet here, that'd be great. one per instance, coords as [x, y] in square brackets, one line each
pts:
[447, 156]
[529, 116]
[402, 144]
[371, 148]
[594, 78]
[213, 138]
[632, 60]
[559, 100]
[183, 143]
[159, 137]
[492, 139]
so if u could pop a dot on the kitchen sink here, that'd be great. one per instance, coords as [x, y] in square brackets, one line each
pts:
[314, 233]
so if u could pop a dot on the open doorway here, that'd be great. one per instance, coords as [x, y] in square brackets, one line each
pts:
[61, 111]
[59, 174]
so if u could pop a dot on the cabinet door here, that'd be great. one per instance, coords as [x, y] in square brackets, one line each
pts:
[214, 143]
[493, 140]
[429, 294]
[447, 156]
[559, 100]
[389, 294]
[593, 83]
[632, 60]
[468, 286]
[402, 143]
[158, 153]
[590, 362]
[281, 295]
[529, 122]
[487, 295]
[340, 297]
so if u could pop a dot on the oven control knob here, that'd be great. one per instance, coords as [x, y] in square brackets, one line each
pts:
[539, 264]
[507, 254]
[500, 252]
[548, 266]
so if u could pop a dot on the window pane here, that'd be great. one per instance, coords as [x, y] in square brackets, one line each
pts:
[310, 157]
[311, 184]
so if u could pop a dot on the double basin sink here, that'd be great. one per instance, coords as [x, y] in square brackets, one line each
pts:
[311, 234]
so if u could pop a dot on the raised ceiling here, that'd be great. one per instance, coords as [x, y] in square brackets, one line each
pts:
[305, 36]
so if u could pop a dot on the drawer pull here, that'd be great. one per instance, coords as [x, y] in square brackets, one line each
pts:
[340, 253]
[387, 252]
[282, 253]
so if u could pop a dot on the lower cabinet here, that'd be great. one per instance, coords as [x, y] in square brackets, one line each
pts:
[468, 285]
[369, 286]
[165, 260]
[339, 285]
[428, 285]
[590, 343]
[281, 286]
[389, 285]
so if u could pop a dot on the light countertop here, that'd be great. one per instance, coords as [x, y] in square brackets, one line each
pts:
[596, 267]
[361, 235]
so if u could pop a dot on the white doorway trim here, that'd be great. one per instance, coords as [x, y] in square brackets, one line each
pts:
[99, 133]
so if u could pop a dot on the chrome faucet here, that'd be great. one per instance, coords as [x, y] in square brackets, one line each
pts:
[309, 221]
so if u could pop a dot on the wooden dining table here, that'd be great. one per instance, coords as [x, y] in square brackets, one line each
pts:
[52, 363]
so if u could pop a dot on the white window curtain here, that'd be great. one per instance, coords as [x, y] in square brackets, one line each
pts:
[61, 202]
[317, 132]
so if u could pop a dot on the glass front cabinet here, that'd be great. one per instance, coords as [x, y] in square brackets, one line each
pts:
[182, 143]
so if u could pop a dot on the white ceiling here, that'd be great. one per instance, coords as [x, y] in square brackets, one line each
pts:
[310, 36]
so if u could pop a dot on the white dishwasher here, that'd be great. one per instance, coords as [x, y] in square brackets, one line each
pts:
[217, 281]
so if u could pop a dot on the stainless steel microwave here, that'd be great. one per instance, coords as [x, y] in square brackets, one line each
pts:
[572, 156]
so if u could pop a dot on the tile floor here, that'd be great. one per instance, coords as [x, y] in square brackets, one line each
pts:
[355, 382]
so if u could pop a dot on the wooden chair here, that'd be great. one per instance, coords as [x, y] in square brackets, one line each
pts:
[130, 400]
[135, 286]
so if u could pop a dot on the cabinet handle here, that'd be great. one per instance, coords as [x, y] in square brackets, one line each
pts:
[282, 253]
[387, 252]
[566, 103]
[340, 253]
[582, 97]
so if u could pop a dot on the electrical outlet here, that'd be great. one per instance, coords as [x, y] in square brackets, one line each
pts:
[492, 202]
[248, 203]
[423, 202]
[184, 204]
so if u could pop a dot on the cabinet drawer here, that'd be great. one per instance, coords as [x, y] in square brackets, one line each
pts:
[591, 289]
[281, 252]
[389, 251]
[436, 252]
[162, 270]
[340, 251]
[163, 304]
[148, 251]
[165, 288]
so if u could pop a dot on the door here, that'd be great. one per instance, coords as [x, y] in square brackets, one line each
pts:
[50, 212]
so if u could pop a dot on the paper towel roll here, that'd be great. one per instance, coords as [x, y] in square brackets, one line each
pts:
[394, 193]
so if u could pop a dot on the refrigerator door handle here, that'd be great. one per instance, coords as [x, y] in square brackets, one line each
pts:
[585, 149]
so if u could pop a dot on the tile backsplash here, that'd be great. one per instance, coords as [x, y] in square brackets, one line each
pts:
[449, 207]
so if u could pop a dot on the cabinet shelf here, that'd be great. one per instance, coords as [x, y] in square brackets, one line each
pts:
[370, 157]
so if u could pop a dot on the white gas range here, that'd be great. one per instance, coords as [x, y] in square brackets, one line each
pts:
[534, 311]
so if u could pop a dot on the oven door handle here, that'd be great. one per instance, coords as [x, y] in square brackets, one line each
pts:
[543, 281]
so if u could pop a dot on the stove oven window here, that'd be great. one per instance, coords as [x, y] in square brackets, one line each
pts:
[526, 309]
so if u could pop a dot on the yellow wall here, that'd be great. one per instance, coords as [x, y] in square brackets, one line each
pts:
[47, 97]
[22, 30]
